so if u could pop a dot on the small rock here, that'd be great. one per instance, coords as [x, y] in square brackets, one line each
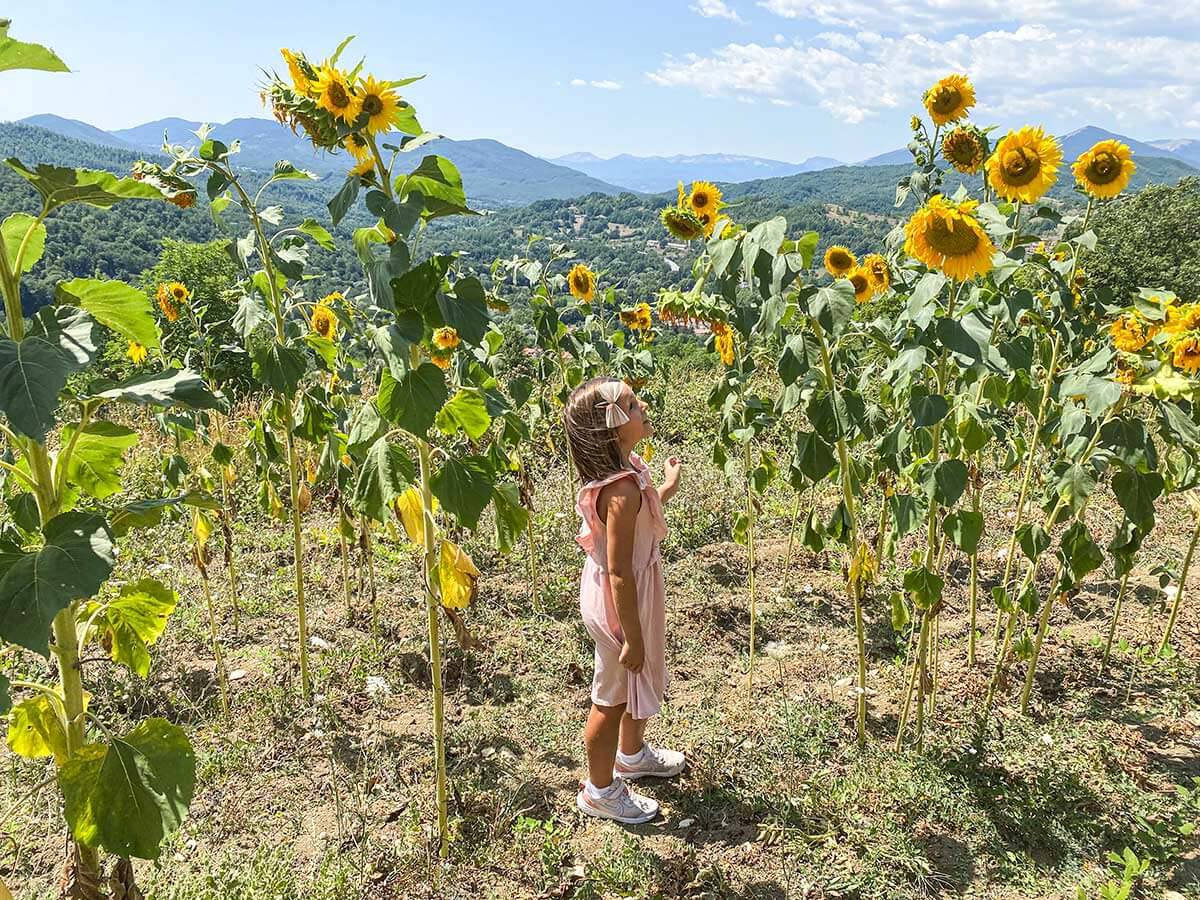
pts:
[686, 823]
[320, 643]
[1047, 740]
[237, 674]
[377, 686]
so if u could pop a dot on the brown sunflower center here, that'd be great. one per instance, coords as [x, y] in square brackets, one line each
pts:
[338, 96]
[581, 283]
[700, 199]
[1104, 167]
[946, 100]
[959, 240]
[962, 149]
[178, 293]
[1021, 166]
[860, 282]
[840, 259]
[372, 105]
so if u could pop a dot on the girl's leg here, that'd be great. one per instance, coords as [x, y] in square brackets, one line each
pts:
[600, 737]
[633, 733]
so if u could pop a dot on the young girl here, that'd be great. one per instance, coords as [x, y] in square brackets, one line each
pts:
[622, 596]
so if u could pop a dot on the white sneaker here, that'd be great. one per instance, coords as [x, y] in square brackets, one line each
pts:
[620, 805]
[654, 762]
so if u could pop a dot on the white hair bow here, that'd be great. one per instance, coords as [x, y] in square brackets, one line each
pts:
[614, 416]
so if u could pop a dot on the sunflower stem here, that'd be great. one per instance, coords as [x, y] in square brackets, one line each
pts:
[1187, 565]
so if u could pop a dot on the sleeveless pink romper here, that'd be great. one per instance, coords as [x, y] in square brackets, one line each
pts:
[613, 684]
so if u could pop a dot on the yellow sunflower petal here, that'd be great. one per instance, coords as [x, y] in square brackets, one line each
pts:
[1024, 165]
[1105, 170]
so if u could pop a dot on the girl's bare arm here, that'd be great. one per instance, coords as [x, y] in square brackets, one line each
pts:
[620, 502]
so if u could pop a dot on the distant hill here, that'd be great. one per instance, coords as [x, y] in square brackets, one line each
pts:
[494, 174]
[1187, 149]
[652, 174]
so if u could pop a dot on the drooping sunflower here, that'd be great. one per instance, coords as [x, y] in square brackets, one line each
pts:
[183, 199]
[166, 302]
[705, 197]
[1181, 318]
[442, 358]
[839, 261]
[877, 268]
[335, 95]
[300, 79]
[682, 223]
[582, 283]
[1104, 170]
[950, 99]
[965, 148]
[364, 168]
[137, 352]
[946, 235]
[1125, 374]
[637, 317]
[446, 338]
[1186, 355]
[724, 341]
[1128, 333]
[324, 321]
[379, 104]
[356, 145]
[1024, 165]
[863, 289]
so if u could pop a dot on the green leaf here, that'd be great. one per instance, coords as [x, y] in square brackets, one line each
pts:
[123, 308]
[280, 367]
[834, 414]
[833, 306]
[417, 288]
[366, 427]
[949, 481]
[511, 517]
[467, 411]
[899, 611]
[1033, 540]
[35, 729]
[924, 587]
[385, 474]
[907, 512]
[130, 623]
[343, 199]
[394, 344]
[13, 231]
[59, 186]
[741, 529]
[812, 537]
[74, 562]
[130, 793]
[464, 486]
[439, 182]
[171, 387]
[32, 373]
[318, 233]
[5, 695]
[71, 330]
[251, 312]
[1137, 493]
[413, 402]
[95, 463]
[1075, 485]
[954, 337]
[928, 409]
[465, 310]
[964, 527]
[1079, 552]
[16, 54]
[813, 456]
[793, 362]
[148, 513]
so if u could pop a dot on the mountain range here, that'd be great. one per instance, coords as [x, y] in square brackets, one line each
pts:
[496, 175]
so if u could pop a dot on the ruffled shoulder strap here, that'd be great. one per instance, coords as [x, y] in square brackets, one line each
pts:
[585, 505]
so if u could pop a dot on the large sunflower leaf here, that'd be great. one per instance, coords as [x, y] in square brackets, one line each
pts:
[413, 401]
[16, 54]
[511, 517]
[385, 473]
[128, 794]
[464, 487]
[13, 231]
[95, 462]
[32, 372]
[171, 387]
[121, 307]
[59, 185]
[132, 621]
[71, 330]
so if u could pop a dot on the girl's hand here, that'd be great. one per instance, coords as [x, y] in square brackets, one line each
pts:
[633, 656]
[673, 467]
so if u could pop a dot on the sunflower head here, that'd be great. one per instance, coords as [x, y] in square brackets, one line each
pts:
[724, 343]
[299, 69]
[356, 145]
[446, 338]
[179, 292]
[1125, 374]
[170, 309]
[137, 352]
[581, 281]
[945, 235]
[379, 104]
[1129, 333]
[637, 318]
[877, 267]
[839, 261]
[1185, 353]
[442, 358]
[863, 289]
[183, 199]
[1105, 170]
[682, 223]
[1024, 165]
[364, 168]
[705, 197]
[965, 148]
[950, 99]
[324, 321]
[336, 96]
[709, 221]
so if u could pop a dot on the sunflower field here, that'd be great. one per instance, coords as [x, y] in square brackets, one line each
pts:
[290, 609]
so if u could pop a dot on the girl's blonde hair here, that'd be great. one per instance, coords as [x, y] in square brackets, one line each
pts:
[594, 446]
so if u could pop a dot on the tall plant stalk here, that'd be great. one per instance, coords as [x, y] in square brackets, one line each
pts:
[1187, 565]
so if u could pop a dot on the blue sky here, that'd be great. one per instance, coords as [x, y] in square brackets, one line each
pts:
[785, 79]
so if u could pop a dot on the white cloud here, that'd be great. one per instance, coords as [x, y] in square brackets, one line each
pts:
[716, 9]
[939, 16]
[1032, 71]
[601, 85]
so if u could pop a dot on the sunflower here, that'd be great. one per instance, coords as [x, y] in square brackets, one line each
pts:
[336, 96]
[446, 338]
[877, 267]
[379, 103]
[364, 168]
[137, 352]
[863, 289]
[705, 197]
[965, 148]
[949, 99]
[1125, 373]
[166, 302]
[682, 223]
[1186, 355]
[1105, 170]
[183, 199]
[324, 322]
[179, 292]
[1128, 334]
[637, 317]
[300, 79]
[1024, 165]
[356, 145]
[582, 283]
[441, 358]
[724, 341]
[1180, 318]
[709, 221]
[946, 235]
[839, 261]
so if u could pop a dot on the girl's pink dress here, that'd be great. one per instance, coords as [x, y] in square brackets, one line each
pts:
[613, 684]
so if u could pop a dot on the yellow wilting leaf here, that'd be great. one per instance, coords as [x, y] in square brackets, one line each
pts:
[456, 575]
[412, 515]
[304, 496]
[863, 566]
[35, 729]
[202, 527]
[5, 894]
[648, 452]
[229, 473]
